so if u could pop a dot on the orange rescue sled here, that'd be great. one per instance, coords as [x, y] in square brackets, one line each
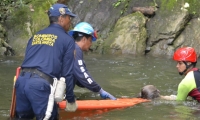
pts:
[89, 108]
[104, 104]
[13, 101]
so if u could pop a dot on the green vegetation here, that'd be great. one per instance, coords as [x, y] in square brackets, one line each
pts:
[168, 4]
[24, 14]
[118, 3]
[122, 2]
[7, 6]
[193, 8]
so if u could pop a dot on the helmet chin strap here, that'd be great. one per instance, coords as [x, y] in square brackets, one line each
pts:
[187, 66]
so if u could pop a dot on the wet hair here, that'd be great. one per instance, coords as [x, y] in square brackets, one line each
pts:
[54, 19]
[149, 92]
[79, 35]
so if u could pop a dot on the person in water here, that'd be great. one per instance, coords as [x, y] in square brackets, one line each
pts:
[186, 58]
[150, 92]
[83, 34]
[49, 54]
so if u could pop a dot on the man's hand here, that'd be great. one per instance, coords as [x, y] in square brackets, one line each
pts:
[106, 95]
[71, 107]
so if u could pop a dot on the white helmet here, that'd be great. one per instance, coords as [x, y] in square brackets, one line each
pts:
[86, 28]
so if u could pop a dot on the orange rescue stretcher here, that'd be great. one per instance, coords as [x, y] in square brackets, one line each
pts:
[104, 104]
[13, 101]
[89, 108]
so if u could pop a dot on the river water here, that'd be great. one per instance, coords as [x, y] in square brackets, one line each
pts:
[121, 76]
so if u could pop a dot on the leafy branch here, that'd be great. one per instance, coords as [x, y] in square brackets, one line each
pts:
[119, 2]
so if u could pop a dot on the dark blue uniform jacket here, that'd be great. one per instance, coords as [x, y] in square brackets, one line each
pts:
[81, 75]
[51, 51]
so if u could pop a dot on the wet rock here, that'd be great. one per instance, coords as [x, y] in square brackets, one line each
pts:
[2, 50]
[129, 35]
[164, 28]
[6, 49]
[190, 36]
[2, 31]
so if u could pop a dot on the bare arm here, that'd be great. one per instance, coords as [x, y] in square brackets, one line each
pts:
[171, 97]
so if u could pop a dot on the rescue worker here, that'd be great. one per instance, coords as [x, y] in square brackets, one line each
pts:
[84, 34]
[49, 54]
[186, 58]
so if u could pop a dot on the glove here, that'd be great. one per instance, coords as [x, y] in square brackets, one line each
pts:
[71, 107]
[105, 95]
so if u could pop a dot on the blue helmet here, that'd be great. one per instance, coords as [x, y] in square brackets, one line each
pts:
[86, 28]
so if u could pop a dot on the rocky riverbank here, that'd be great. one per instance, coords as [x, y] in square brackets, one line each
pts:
[145, 27]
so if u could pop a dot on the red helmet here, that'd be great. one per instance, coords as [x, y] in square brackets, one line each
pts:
[185, 54]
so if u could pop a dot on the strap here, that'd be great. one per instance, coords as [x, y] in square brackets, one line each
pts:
[197, 79]
[50, 101]
[41, 74]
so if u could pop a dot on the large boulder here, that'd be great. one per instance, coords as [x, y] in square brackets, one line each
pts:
[129, 35]
[167, 29]
[161, 35]
[190, 36]
[164, 28]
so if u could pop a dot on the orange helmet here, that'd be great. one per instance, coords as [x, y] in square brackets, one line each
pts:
[185, 54]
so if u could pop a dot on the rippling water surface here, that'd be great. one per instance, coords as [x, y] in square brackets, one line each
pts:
[121, 76]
